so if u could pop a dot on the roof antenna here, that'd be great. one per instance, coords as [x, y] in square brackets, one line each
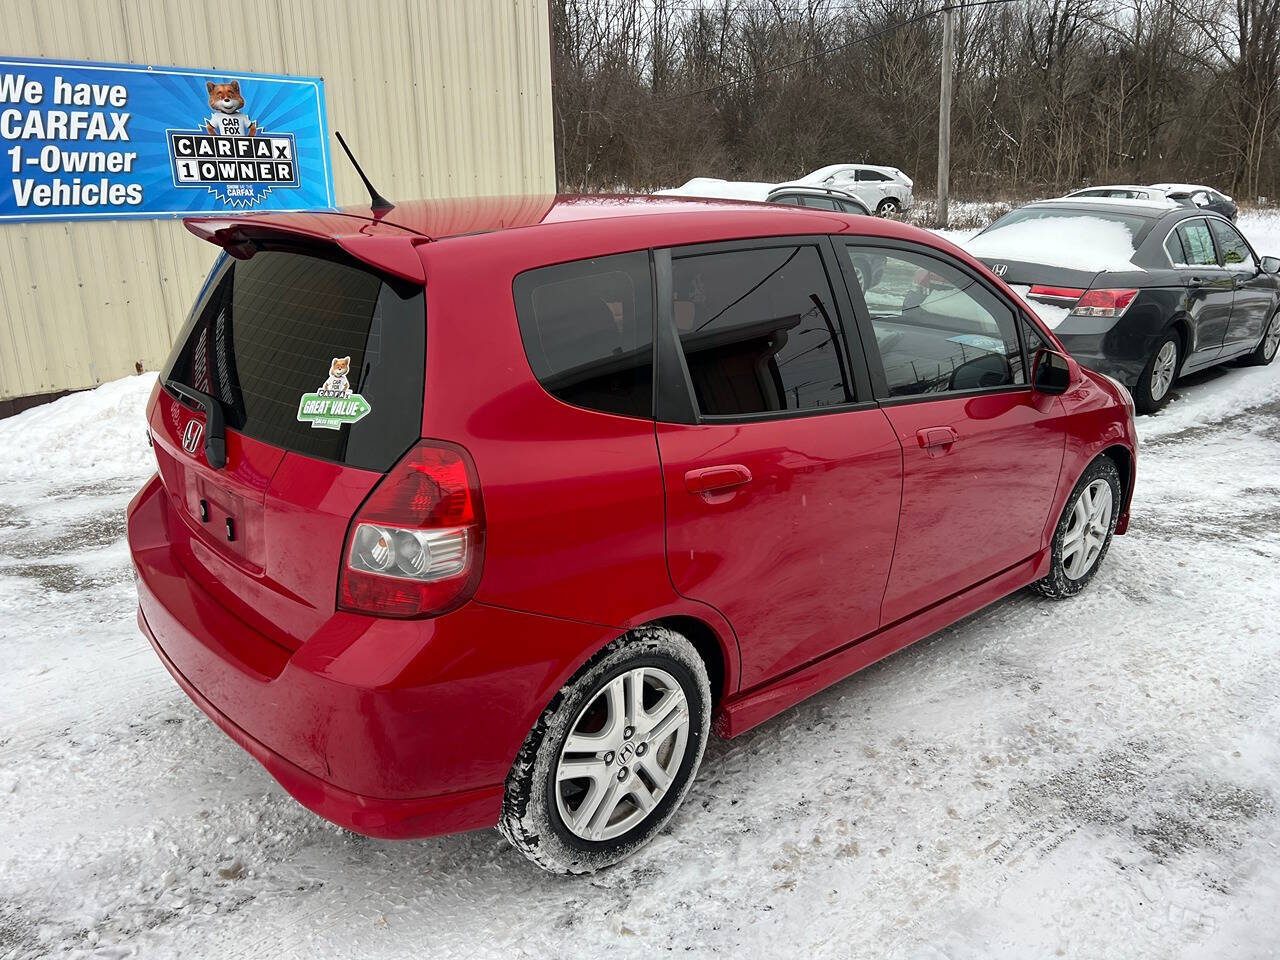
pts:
[377, 202]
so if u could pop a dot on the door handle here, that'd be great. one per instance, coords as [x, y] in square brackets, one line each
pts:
[713, 479]
[931, 437]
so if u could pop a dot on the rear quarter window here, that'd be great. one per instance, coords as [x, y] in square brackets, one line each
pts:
[587, 329]
[272, 328]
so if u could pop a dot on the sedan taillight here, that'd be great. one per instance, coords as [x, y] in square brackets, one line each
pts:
[1104, 303]
[415, 547]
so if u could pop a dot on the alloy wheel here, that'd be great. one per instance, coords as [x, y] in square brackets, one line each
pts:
[622, 754]
[889, 209]
[1087, 530]
[1272, 343]
[1162, 371]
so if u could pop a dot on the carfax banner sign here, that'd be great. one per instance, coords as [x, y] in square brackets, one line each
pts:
[98, 140]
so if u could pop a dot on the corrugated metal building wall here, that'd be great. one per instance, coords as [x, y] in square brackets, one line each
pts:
[436, 97]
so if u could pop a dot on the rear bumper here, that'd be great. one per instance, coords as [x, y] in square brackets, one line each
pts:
[1096, 351]
[371, 816]
[389, 728]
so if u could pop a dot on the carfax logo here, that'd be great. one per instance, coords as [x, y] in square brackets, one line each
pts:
[229, 154]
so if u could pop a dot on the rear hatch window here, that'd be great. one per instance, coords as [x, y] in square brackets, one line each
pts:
[288, 323]
[264, 533]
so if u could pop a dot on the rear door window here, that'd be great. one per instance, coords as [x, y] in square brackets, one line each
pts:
[289, 322]
[1197, 244]
[587, 328]
[820, 203]
[759, 330]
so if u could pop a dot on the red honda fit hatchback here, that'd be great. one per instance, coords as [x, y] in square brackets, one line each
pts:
[482, 512]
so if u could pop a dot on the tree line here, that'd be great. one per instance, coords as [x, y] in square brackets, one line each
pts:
[1049, 94]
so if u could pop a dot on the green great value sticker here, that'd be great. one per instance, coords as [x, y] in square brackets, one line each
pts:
[330, 413]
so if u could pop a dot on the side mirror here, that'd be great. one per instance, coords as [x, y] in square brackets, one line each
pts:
[1271, 264]
[1051, 372]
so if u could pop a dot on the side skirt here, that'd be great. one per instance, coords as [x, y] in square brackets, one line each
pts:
[751, 708]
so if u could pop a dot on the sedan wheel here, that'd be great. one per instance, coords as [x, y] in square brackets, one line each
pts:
[1156, 382]
[1268, 346]
[1162, 372]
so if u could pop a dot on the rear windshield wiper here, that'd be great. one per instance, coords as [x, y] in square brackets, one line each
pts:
[215, 425]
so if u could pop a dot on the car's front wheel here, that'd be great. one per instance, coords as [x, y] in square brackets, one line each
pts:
[1268, 346]
[612, 757]
[1155, 384]
[1084, 531]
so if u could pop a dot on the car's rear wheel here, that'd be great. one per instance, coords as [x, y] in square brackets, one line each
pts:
[1084, 531]
[1156, 382]
[1268, 346]
[612, 757]
[889, 207]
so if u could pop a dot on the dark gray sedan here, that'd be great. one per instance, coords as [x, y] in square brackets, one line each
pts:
[1143, 292]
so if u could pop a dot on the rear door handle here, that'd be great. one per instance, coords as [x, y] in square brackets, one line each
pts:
[931, 437]
[714, 479]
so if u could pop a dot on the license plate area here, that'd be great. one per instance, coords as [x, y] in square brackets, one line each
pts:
[232, 525]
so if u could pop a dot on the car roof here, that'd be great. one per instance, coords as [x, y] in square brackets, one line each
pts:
[1148, 208]
[823, 172]
[1116, 186]
[379, 238]
[1184, 186]
[815, 190]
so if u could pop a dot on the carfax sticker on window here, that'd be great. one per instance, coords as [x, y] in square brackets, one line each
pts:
[333, 404]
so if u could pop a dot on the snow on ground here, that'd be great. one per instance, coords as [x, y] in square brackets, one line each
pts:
[1098, 778]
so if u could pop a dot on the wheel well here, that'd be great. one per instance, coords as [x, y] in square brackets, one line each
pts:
[704, 640]
[1183, 330]
[1123, 460]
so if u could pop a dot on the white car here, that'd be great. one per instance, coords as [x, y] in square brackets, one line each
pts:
[1122, 191]
[885, 190]
[793, 194]
[1203, 196]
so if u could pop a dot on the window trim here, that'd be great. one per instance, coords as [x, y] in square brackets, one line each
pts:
[673, 369]
[866, 330]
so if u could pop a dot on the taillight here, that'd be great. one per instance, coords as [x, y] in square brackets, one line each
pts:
[1054, 293]
[1104, 303]
[415, 547]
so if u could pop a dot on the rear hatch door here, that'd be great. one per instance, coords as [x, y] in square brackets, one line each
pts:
[317, 361]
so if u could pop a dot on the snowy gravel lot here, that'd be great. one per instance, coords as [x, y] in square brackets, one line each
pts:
[1097, 778]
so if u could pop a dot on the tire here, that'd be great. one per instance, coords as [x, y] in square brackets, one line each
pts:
[889, 207]
[540, 810]
[1155, 384]
[1070, 574]
[1267, 347]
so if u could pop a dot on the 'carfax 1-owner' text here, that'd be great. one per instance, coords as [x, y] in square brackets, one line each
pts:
[87, 140]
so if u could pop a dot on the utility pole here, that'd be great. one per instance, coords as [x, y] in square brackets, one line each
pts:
[944, 115]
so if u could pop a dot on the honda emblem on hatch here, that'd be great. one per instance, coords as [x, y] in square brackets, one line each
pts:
[1000, 269]
[191, 436]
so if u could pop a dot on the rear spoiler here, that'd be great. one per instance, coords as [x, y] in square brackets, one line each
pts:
[393, 253]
